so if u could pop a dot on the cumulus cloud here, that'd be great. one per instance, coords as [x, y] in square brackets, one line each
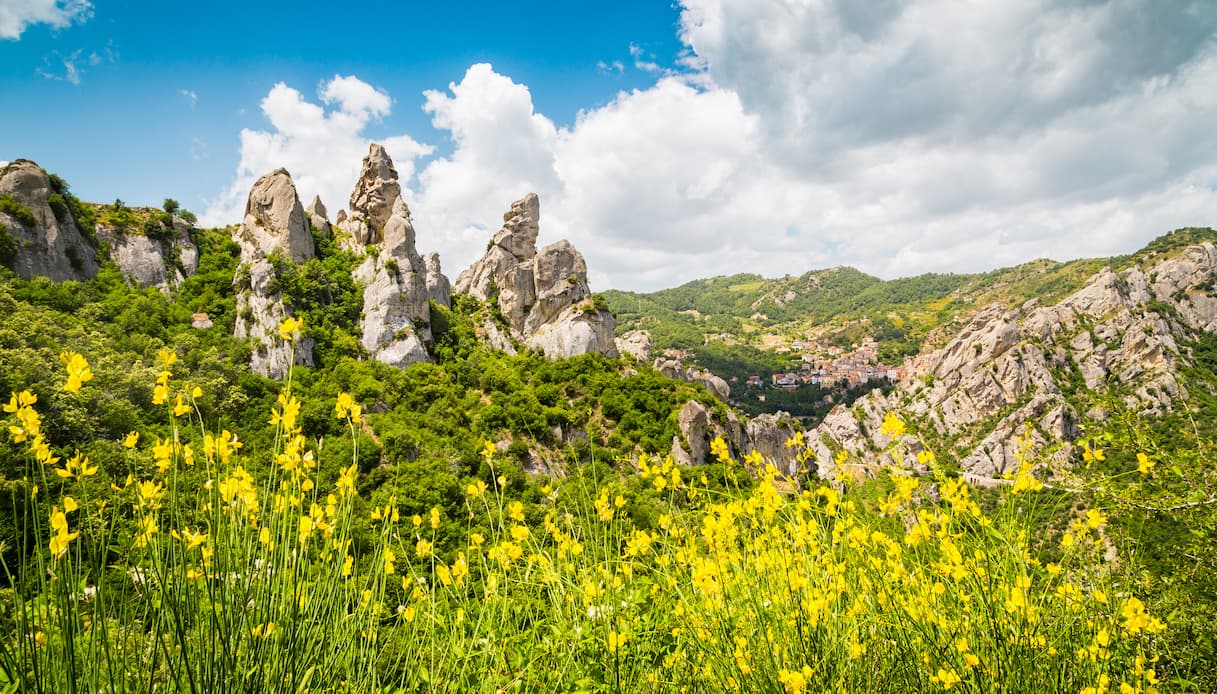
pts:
[16, 15]
[897, 136]
[322, 145]
[502, 150]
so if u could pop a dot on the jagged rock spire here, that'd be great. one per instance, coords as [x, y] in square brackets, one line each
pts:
[396, 324]
[274, 223]
[544, 296]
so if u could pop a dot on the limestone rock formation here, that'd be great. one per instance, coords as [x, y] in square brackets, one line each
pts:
[43, 242]
[396, 323]
[274, 225]
[147, 262]
[766, 434]
[374, 199]
[274, 220]
[318, 217]
[439, 289]
[636, 343]
[544, 296]
[672, 368]
[1008, 373]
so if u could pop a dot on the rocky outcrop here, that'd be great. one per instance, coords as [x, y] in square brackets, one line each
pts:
[153, 262]
[318, 217]
[439, 289]
[766, 434]
[636, 343]
[274, 228]
[544, 296]
[504, 275]
[672, 368]
[41, 241]
[1013, 373]
[374, 199]
[396, 323]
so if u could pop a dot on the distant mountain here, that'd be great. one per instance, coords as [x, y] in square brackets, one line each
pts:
[732, 324]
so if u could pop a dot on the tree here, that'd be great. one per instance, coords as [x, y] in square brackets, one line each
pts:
[170, 205]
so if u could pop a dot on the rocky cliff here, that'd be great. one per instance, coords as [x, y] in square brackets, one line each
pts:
[153, 262]
[274, 229]
[396, 323]
[1028, 371]
[39, 236]
[672, 368]
[766, 434]
[544, 295]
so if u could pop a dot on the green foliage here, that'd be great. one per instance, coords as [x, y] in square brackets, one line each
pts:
[10, 206]
[8, 247]
[170, 206]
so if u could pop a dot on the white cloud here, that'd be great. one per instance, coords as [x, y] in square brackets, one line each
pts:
[323, 149]
[190, 95]
[60, 67]
[503, 150]
[16, 15]
[71, 67]
[899, 137]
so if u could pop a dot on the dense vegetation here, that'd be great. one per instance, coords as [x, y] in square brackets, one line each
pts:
[493, 522]
[840, 306]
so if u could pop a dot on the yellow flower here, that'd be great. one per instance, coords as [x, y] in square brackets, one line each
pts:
[1095, 518]
[290, 328]
[718, 447]
[390, 557]
[488, 450]
[795, 682]
[475, 490]
[423, 548]
[180, 408]
[78, 370]
[1144, 464]
[1092, 454]
[444, 575]
[168, 357]
[61, 537]
[434, 517]
[131, 440]
[515, 511]
[616, 640]
[892, 427]
[347, 408]
[946, 678]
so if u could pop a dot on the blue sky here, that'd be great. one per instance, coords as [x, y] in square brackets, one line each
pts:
[667, 141]
[127, 129]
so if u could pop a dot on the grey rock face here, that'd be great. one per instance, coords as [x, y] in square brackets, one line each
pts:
[636, 343]
[274, 220]
[374, 198]
[50, 247]
[1001, 376]
[542, 295]
[672, 368]
[148, 262]
[396, 323]
[439, 289]
[766, 434]
[274, 224]
[318, 217]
